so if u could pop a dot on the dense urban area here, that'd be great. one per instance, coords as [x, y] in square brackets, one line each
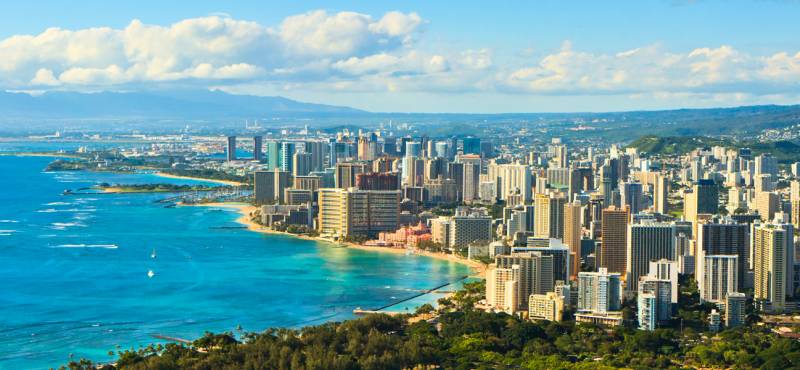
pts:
[665, 252]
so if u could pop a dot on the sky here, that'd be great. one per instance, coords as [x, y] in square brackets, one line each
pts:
[416, 56]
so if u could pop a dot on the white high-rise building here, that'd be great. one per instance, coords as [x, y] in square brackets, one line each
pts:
[599, 291]
[717, 276]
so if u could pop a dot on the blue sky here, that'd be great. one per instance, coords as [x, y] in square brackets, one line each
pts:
[417, 55]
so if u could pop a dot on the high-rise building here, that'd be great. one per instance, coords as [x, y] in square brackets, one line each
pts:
[441, 149]
[301, 164]
[231, 148]
[614, 233]
[471, 145]
[631, 196]
[351, 212]
[735, 309]
[377, 181]
[273, 155]
[704, 199]
[665, 269]
[511, 179]
[346, 172]
[264, 191]
[649, 241]
[573, 235]
[599, 291]
[723, 236]
[502, 288]
[767, 204]
[286, 154]
[318, 151]
[549, 220]
[257, 148]
[773, 274]
[717, 276]
[472, 179]
[467, 228]
[269, 186]
[536, 274]
[548, 306]
[654, 305]
[661, 194]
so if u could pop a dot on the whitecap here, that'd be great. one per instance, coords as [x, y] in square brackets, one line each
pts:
[58, 204]
[102, 246]
[8, 221]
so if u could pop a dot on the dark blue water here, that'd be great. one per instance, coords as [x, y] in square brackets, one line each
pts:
[74, 270]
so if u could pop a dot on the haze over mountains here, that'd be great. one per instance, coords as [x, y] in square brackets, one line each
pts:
[161, 105]
[219, 109]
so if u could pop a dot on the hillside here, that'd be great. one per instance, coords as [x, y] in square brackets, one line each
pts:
[784, 151]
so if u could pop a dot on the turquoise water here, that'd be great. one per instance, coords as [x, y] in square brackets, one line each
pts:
[74, 270]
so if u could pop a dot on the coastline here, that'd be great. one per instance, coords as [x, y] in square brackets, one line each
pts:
[223, 182]
[245, 210]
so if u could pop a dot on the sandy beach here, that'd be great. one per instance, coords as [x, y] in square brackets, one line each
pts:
[246, 211]
[224, 182]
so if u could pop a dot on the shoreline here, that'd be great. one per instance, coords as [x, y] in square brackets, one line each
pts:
[245, 210]
[223, 182]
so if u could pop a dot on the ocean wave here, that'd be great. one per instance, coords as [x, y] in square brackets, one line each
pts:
[53, 210]
[102, 246]
[8, 221]
[64, 225]
[8, 231]
[57, 204]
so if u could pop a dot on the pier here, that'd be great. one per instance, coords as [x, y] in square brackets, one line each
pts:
[359, 311]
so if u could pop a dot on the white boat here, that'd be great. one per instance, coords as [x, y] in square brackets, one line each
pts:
[150, 273]
[153, 254]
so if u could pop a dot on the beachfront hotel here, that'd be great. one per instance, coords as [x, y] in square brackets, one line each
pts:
[347, 213]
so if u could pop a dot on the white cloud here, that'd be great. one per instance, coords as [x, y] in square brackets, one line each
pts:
[320, 51]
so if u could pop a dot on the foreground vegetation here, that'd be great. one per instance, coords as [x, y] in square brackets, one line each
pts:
[462, 337]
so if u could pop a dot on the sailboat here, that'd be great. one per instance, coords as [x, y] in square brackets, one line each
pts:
[150, 273]
[153, 254]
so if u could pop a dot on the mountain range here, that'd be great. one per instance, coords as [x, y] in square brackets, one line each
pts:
[162, 105]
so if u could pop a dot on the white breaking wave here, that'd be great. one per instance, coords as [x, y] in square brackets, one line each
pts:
[64, 225]
[58, 204]
[53, 210]
[9, 221]
[103, 246]
[8, 231]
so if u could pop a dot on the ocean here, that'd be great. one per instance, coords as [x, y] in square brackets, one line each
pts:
[74, 270]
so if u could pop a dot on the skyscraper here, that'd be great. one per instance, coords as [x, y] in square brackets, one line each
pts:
[301, 164]
[614, 233]
[536, 273]
[286, 155]
[631, 196]
[704, 199]
[735, 310]
[661, 194]
[549, 220]
[502, 288]
[471, 145]
[599, 291]
[717, 276]
[351, 212]
[573, 235]
[649, 241]
[771, 256]
[257, 148]
[723, 236]
[231, 148]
